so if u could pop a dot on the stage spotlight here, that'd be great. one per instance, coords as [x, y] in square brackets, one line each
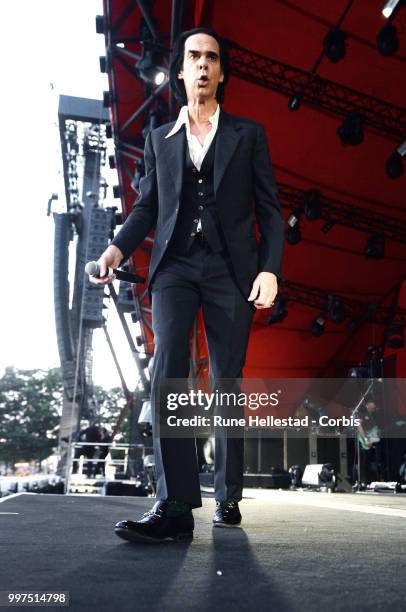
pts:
[334, 45]
[99, 24]
[351, 131]
[296, 101]
[337, 311]
[312, 205]
[318, 325]
[109, 131]
[389, 7]
[147, 66]
[327, 226]
[375, 246]
[293, 233]
[106, 99]
[387, 40]
[112, 162]
[394, 166]
[116, 191]
[103, 63]
[279, 310]
[395, 336]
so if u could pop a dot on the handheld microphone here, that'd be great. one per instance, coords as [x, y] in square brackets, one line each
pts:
[92, 268]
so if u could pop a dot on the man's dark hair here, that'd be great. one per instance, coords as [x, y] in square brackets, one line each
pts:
[178, 85]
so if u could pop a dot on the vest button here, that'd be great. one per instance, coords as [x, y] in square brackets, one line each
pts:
[194, 170]
[200, 193]
[196, 220]
[200, 207]
[200, 181]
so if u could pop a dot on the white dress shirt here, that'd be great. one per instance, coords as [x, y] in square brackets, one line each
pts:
[196, 150]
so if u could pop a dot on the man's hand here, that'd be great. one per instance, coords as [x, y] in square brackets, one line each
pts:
[111, 258]
[264, 290]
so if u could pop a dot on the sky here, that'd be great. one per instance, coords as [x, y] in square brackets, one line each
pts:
[48, 49]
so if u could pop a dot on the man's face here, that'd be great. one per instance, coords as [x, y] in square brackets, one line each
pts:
[201, 67]
[371, 407]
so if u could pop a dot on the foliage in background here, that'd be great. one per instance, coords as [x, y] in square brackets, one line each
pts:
[30, 409]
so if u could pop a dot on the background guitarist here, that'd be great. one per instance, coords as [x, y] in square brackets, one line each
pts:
[369, 442]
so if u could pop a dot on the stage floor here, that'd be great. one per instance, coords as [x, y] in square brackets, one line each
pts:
[294, 551]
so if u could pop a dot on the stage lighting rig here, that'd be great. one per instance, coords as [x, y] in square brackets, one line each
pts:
[334, 45]
[293, 233]
[390, 7]
[312, 205]
[375, 246]
[387, 40]
[394, 165]
[336, 309]
[148, 67]
[318, 325]
[351, 131]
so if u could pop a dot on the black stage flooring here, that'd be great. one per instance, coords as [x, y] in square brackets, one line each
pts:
[294, 551]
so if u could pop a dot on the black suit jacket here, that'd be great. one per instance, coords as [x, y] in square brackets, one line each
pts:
[242, 174]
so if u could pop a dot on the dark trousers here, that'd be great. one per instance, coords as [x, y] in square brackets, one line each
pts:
[183, 283]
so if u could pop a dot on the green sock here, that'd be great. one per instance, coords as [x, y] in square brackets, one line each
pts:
[177, 508]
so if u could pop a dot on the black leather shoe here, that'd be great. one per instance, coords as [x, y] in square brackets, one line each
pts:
[156, 526]
[227, 514]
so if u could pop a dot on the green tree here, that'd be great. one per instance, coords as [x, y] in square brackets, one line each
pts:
[30, 408]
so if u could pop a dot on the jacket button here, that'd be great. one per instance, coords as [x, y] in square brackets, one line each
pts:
[166, 242]
[193, 234]
[196, 220]
[201, 193]
[200, 181]
[200, 207]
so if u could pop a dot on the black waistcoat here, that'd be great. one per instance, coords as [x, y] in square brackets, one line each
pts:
[197, 201]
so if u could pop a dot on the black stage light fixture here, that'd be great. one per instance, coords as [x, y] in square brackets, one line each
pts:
[109, 131]
[334, 45]
[351, 131]
[394, 166]
[106, 99]
[116, 191]
[387, 40]
[375, 246]
[327, 226]
[103, 63]
[318, 325]
[337, 310]
[279, 310]
[296, 101]
[99, 24]
[293, 233]
[389, 7]
[112, 162]
[312, 205]
[146, 67]
[395, 336]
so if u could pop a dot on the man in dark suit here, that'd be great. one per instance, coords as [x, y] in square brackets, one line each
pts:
[203, 173]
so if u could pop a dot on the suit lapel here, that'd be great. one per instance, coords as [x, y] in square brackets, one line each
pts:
[175, 157]
[227, 139]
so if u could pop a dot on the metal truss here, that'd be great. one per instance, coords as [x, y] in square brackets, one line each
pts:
[338, 212]
[387, 119]
[355, 310]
